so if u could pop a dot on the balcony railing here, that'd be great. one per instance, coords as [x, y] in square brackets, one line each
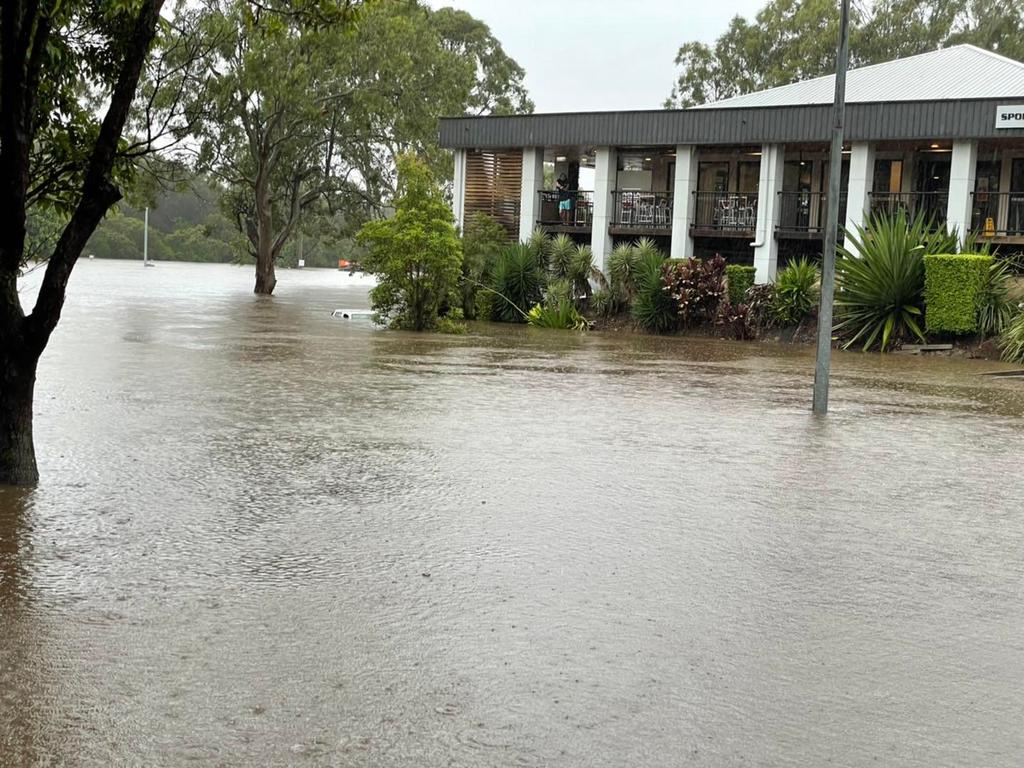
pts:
[998, 214]
[642, 210]
[580, 214]
[806, 211]
[932, 205]
[726, 212]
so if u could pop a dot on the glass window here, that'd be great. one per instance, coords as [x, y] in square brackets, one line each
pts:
[888, 176]
[713, 177]
[1017, 175]
[749, 175]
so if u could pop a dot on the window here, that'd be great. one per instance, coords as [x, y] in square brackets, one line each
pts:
[713, 177]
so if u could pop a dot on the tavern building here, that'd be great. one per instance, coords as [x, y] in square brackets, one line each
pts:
[941, 134]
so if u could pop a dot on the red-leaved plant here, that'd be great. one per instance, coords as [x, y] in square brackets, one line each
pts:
[697, 287]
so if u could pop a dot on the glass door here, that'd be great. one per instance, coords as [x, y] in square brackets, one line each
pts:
[1015, 219]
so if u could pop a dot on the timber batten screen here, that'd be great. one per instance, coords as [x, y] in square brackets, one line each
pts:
[493, 182]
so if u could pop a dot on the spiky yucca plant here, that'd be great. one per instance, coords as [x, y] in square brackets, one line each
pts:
[880, 279]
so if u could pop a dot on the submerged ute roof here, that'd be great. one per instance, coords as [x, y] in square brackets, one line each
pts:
[959, 72]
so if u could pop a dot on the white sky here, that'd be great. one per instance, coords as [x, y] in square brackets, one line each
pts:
[582, 55]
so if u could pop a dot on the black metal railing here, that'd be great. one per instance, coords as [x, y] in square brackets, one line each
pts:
[806, 211]
[932, 205]
[998, 213]
[725, 211]
[633, 209]
[552, 212]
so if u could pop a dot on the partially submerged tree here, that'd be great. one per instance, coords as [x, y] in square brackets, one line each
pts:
[308, 118]
[60, 61]
[415, 254]
[792, 40]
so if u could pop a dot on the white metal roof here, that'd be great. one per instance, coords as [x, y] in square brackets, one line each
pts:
[948, 74]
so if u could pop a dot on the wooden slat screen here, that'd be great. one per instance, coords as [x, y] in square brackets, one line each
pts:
[493, 180]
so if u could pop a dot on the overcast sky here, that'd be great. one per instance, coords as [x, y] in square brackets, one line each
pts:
[601, 54]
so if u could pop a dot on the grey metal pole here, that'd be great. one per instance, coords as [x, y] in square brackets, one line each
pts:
[145, 239]
[828, 263]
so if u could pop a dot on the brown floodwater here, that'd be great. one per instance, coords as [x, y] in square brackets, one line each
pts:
[269, 537]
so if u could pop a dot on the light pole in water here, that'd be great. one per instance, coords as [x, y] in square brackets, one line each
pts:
[828, 263]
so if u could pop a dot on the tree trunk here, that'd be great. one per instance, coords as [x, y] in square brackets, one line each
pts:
[266, 278]
[17, 451]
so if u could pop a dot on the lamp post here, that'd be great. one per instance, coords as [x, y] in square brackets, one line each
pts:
[823, 361]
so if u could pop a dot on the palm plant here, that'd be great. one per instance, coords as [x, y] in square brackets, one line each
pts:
[560, 252]
[1012, 341]
[653, 308]
[517, 282]
[796, 291]
[880, 277]
[995, 308]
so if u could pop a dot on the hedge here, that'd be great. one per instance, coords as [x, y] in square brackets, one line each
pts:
[740, 278]
[952, 291]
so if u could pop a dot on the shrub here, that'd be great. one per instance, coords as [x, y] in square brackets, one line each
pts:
[796, 292]
[653, 308]
[560, 253]
[482, 241]
[1012, 341]
[736, 320]
[606, 302]
[416, 254]
[561, 315]
[697, 287]
[451, 325]
[740, 277]
[880, 279]
[517, 282]
[760, 302]
[953, 286]
[995, 306]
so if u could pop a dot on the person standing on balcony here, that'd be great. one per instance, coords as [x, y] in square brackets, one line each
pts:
[564, 200]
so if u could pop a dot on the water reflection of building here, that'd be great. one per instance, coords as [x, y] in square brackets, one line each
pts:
[941, 133]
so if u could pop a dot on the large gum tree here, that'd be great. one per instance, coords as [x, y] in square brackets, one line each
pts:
[68, 76]
[306, 117]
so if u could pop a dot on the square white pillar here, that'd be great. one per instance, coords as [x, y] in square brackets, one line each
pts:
[605, 174]
[529, 200]
[459, 189]
[862, 179]
[962, 173]
[766, 247]
[684, 201]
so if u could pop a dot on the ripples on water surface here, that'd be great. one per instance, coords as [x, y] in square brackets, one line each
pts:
[266, 537]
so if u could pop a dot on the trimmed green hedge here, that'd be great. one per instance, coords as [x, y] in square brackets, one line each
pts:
[952, 291]
[740, 278]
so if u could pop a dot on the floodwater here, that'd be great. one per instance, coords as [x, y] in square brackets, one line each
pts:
[266, 537]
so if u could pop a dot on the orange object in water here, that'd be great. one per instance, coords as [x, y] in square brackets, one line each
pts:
[342, 263]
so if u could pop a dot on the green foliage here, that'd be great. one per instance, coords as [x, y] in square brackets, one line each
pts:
[559, 315]
[791, 40]
[481, 243]
[654, 308]
[560, 251]
[1011, 342]
[760, 303]
[796, 291]
[517, 282]
[996, 308]
[416, 254]
[451, 325]
[880, 279]
[740, 277]
[953, 286]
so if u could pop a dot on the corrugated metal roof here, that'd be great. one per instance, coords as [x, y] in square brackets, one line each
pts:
[949, 74]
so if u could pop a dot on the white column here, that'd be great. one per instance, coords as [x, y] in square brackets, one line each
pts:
[766, 247]
[459, 189]
[862, 179]
[684, 201]
[605, 174]
[962, 172]
[529, 200]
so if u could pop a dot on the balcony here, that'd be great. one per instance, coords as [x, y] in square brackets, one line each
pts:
[932, 205]
[803, 214]
[724, 214]
[998, 214]
[641, 213]
[579, 217]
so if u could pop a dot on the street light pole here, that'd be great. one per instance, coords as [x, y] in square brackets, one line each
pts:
[828, 263]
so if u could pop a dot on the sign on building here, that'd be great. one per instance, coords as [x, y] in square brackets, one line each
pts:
[1010, 117]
